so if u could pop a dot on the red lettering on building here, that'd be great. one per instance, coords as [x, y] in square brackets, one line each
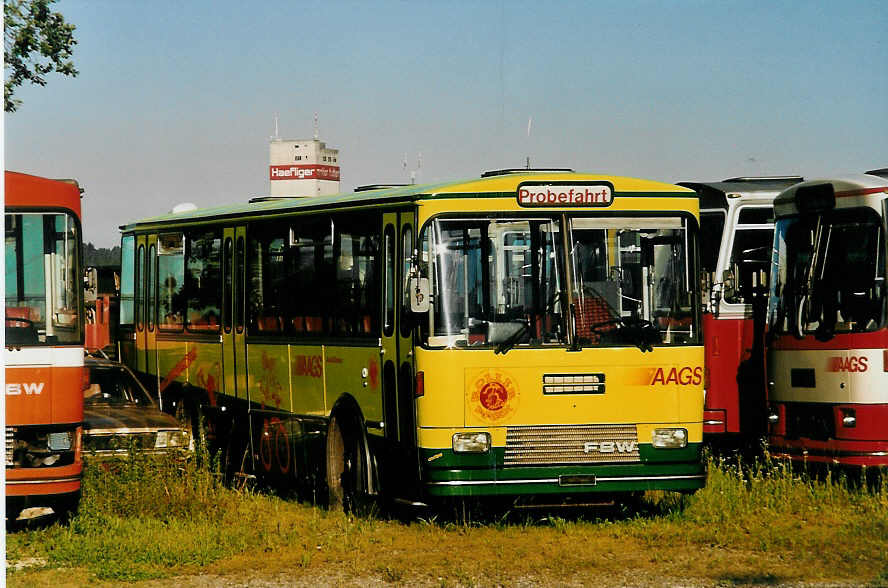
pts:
[304, 172]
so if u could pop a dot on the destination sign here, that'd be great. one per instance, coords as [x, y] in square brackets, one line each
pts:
[600, 194]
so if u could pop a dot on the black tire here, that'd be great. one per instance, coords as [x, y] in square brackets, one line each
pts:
[345, 487]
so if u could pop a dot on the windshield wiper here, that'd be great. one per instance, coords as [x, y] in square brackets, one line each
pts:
[513, 339]
[639, 331]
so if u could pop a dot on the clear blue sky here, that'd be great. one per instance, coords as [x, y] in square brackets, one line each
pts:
[175, 100]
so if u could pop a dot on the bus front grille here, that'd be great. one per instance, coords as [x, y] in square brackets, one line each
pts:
[10, 447]
[571, 445]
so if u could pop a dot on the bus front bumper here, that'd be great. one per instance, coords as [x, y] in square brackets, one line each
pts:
[449, 478]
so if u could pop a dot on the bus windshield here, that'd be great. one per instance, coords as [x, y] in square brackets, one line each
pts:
[830, 274]
[43, 279]
[517, 281]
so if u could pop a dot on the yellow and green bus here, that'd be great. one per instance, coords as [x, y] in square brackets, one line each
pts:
[530, 334]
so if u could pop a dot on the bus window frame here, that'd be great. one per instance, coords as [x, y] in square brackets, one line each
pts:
[79, 325]
[405, 264]
[690, 225]
[239, 309]
[726, 254]
[139, 298]
[127, 298]
[390, 279]
[180, 326]
[191, 327]
[227, 284]
[151, 285]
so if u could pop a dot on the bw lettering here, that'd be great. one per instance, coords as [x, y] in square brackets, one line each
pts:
[29, 388]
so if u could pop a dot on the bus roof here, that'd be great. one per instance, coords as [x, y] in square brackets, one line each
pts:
[494, 186]
[715, 194]
[822, 194]
[27, 191]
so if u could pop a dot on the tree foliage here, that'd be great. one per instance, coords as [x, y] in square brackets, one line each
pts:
[100, 256]
[36, 41]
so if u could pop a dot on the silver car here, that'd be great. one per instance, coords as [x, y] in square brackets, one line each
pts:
[119, 414]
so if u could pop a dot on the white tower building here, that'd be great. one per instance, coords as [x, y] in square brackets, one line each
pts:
[302, 167]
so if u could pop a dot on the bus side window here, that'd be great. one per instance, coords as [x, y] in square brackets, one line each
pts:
[240, 283]
[227, 283]
[750, 252]
[204, 277]
[357, 284]
[170, 281]
[270, 295]
[390, 270]
[151, 284]
[127, 280]
[140, 288]
[406, 254]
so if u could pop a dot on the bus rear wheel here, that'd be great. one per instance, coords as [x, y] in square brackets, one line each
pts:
[344, 487]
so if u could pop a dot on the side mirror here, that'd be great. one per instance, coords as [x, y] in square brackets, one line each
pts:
[418, 292]
[707, 291]
[729, 289]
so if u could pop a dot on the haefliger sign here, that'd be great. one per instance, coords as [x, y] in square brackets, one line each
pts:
[601, 194]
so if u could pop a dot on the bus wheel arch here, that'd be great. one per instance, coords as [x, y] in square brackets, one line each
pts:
[349, 463]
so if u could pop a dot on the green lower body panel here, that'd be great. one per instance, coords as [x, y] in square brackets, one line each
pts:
[446, 474]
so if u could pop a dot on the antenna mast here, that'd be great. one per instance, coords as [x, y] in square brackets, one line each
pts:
[317, 131]
[529, 125]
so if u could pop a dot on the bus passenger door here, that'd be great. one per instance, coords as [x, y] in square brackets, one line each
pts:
[406, 377]
[397, 346]
[234, 351]
[140, 326]
[150, 308]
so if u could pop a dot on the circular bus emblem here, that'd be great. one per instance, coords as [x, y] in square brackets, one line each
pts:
[494, 396]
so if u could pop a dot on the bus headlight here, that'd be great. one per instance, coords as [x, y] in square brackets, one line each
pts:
[670, 438]
[59, 441]
[471, 442]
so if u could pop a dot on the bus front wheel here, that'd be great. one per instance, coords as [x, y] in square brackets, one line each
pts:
[343, 467]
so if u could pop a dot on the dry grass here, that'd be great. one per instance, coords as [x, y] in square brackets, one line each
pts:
[765, 527]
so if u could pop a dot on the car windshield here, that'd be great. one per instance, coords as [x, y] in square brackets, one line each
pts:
[114, 386]
[510, 281]
[829, 274]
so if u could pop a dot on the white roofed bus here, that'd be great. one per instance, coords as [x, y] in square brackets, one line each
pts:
[526, 335]
[736, 232]
[828, 323]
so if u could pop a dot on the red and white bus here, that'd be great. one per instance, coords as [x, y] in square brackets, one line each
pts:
[43, 353]
[828, 323]
[736, 232]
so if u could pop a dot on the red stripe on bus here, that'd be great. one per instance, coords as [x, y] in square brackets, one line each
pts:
[861, 192]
